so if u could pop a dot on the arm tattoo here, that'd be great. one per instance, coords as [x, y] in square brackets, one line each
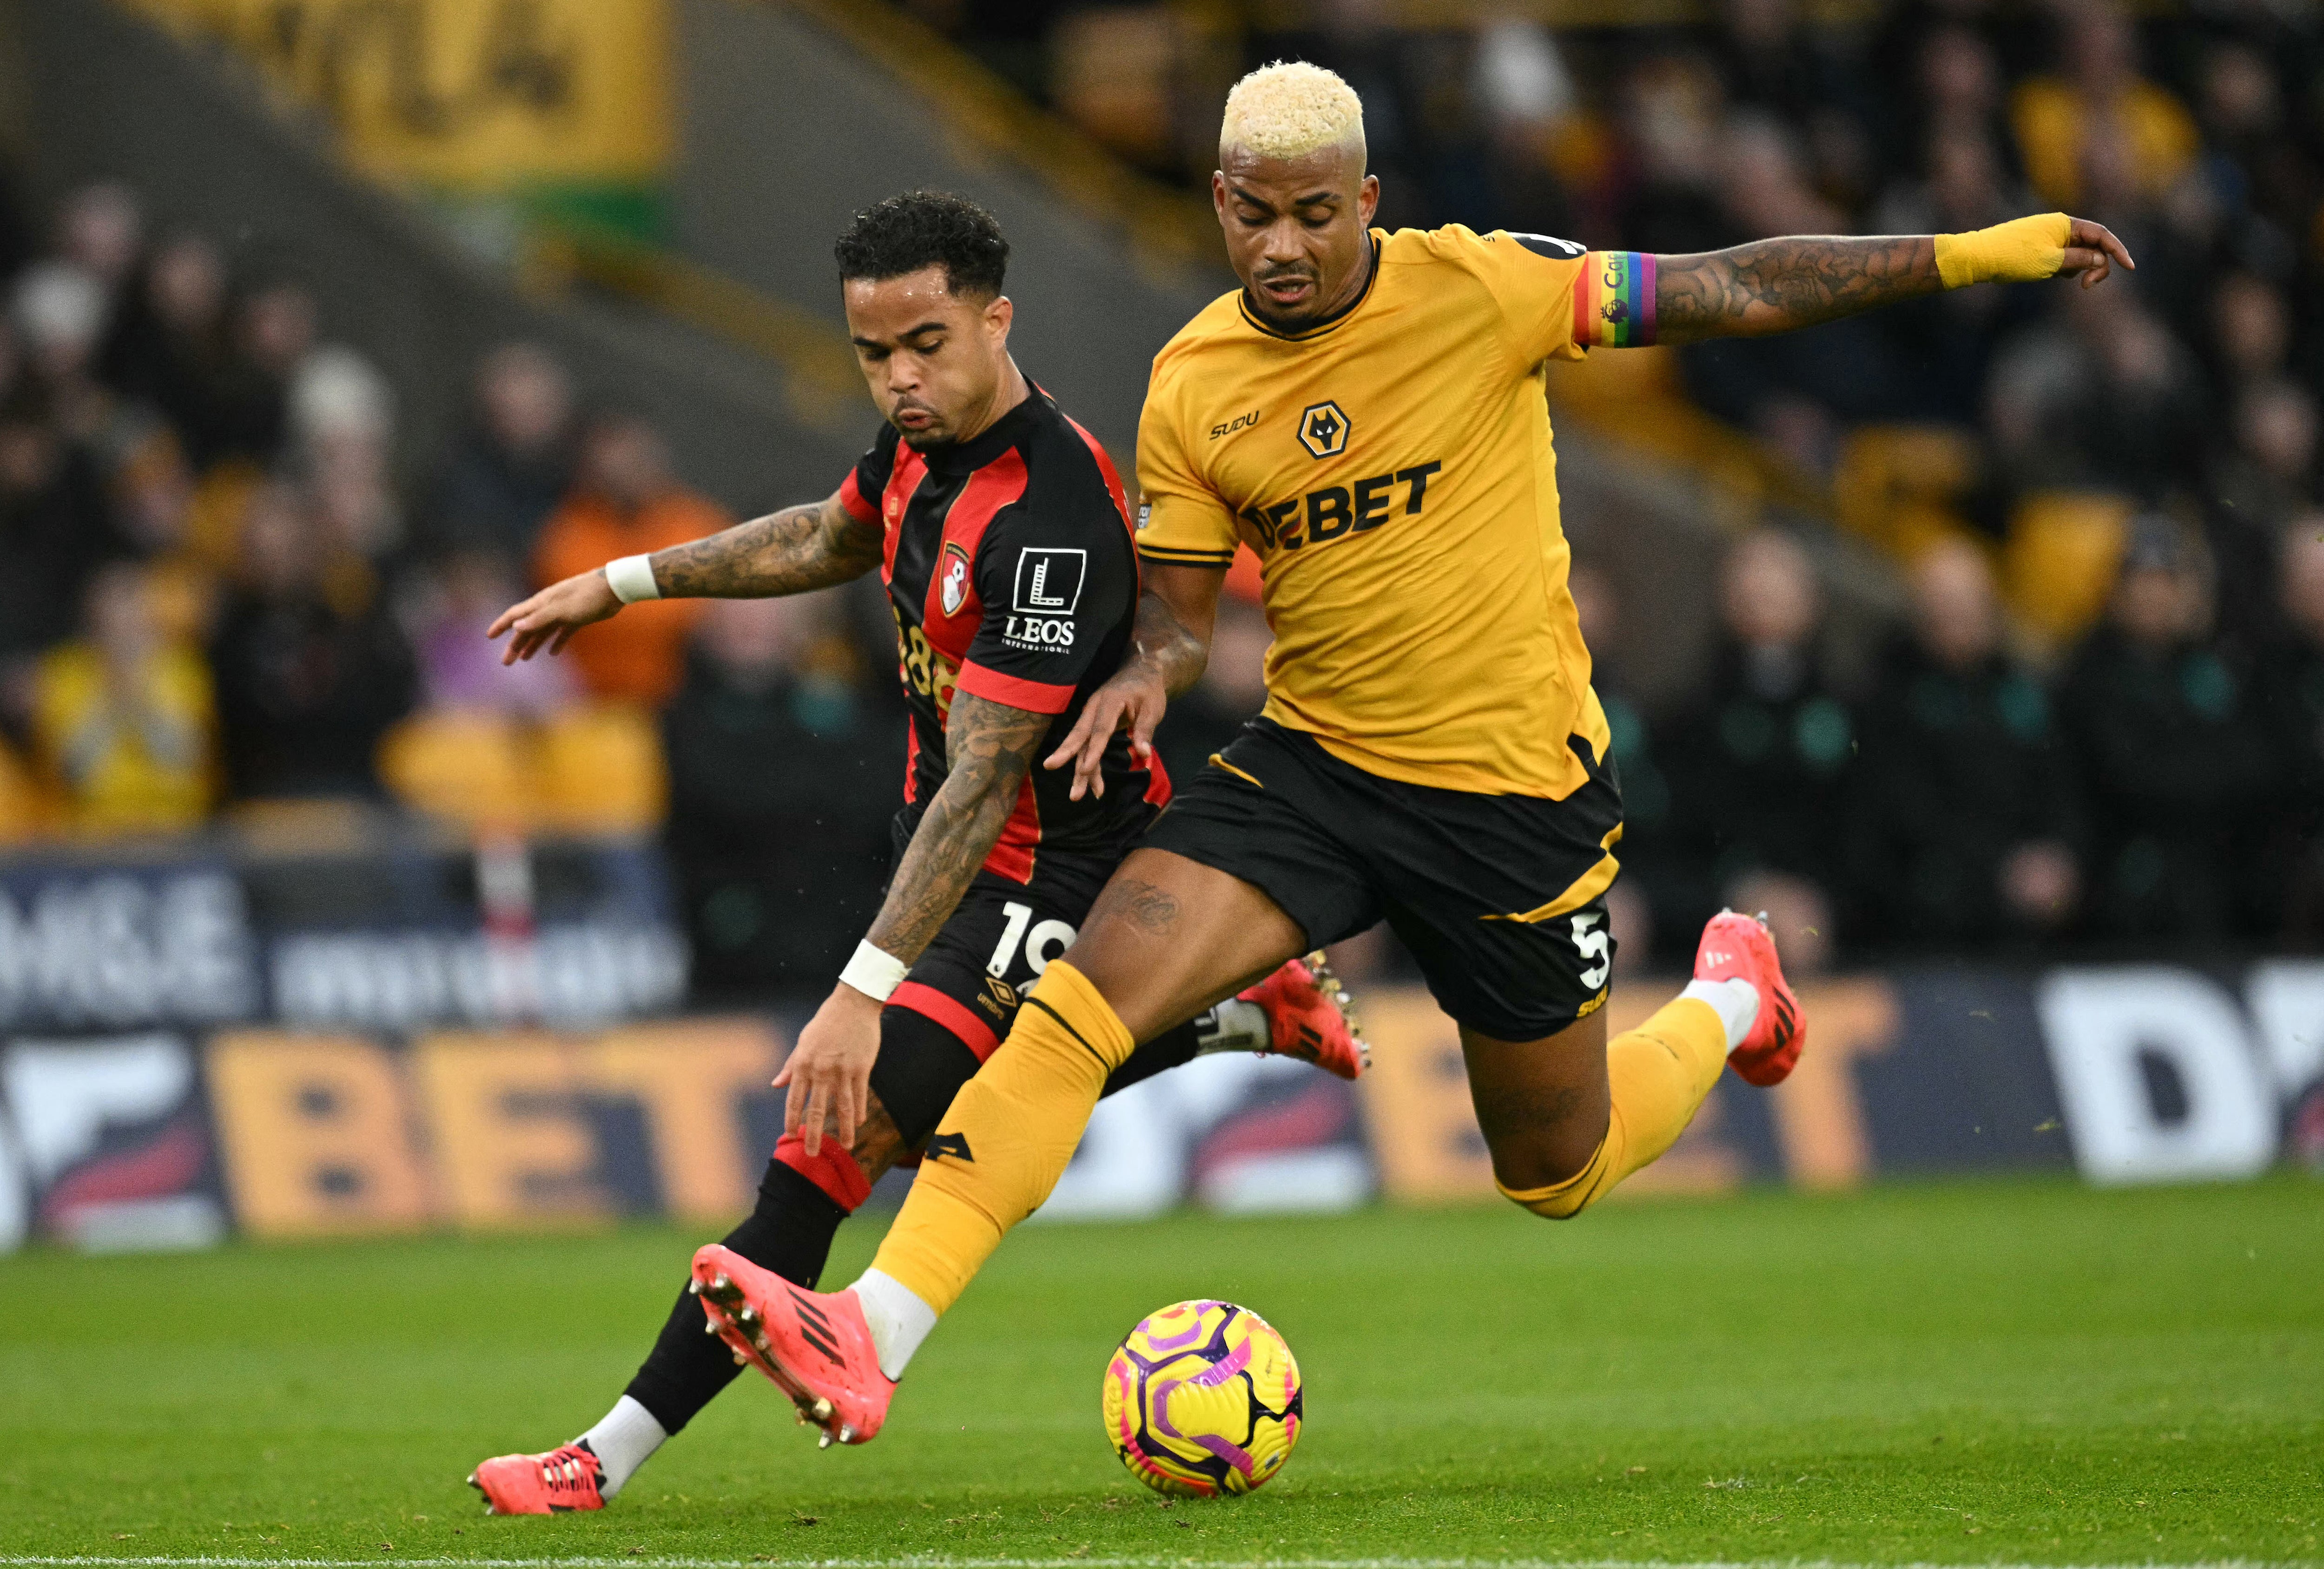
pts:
[988, 749]
[1778, 286]
[1166, 645]
[790, 551]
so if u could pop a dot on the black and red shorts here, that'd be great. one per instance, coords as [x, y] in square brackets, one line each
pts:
[956, 1006]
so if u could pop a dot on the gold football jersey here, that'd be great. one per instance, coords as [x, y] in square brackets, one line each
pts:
[1392, 467]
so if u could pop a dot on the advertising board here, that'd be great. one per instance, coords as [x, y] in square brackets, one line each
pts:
[169, 1129]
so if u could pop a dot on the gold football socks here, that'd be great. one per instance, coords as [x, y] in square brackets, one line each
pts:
[1660, 1073]
[1008, 1138]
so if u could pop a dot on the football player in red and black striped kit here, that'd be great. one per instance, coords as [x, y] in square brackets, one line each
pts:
[1001, 531]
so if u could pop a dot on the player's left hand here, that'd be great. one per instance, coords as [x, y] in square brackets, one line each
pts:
[829, 1072]
[1134, 700]
[2092, 251]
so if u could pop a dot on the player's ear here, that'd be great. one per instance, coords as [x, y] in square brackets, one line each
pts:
[998, 316]
[1367, 200]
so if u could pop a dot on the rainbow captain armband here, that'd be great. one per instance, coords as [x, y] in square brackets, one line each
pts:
[1614, 300]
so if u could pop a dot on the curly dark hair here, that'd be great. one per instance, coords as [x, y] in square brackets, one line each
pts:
[926, 228]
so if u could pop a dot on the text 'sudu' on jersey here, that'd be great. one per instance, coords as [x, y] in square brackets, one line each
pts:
[1010, 571]
[1392, 469]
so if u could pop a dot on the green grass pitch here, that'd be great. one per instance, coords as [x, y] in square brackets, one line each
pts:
[1985, 1373]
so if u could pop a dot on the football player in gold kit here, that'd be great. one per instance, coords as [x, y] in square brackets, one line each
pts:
[1367, 412]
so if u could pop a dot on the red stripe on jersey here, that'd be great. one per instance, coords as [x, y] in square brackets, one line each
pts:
[989, 489]
[857, 506]
[911, 761]
[1158, 783]
[902, 481]
[1020, 837]
[1032, 696]
[1105, 466]
[932, 1004]
[1114, 488]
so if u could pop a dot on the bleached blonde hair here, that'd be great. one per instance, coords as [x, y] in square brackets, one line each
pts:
[1289, 109]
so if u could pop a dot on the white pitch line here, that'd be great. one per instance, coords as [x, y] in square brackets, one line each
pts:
[938, 1561]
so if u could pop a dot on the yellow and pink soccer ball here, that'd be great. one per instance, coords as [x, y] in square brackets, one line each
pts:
[1202, 1398]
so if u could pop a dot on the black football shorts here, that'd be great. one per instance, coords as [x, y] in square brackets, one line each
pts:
[1501, 899]
[956, 1007]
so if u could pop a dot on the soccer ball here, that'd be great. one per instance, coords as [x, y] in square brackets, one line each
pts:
[1201, 1398]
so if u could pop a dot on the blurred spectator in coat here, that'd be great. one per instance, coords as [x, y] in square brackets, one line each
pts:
[274, 331]
[2265, 479]
[311, 670]
[168, 347]
[54, 530]
[1759, 770]
[786, 767]
[342, 420]
[2173, 752]
[458, 668]
[123, 717]
[2293, 690]
[514, 464]
[628, 503]
[60, 313]
[2100, 100]
[1965, 818]
[2100, 397]
[101, 230]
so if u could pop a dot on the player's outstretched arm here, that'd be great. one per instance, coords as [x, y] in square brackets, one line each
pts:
[790, 551]
[1169, 646]
[988, 749]
[1780, 285]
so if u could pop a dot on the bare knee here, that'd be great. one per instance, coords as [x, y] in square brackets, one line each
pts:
[1543, 1105]
[1546, 1155]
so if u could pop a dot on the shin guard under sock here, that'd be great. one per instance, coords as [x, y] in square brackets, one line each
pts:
[790, 1232]
[1659, 1074]
[1007, 1138]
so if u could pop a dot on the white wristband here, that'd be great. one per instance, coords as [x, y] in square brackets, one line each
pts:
[631, 580]
[874, 972]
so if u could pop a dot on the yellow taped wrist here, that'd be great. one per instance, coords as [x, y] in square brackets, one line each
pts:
[2021, 251]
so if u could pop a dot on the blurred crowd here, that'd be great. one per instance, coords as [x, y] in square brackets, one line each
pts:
[2103, 718]
[233, 596]
[2100, 723]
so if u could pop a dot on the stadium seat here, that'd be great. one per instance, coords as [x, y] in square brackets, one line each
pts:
[2059, 565]
[27, 811]
[600, 771]
[1896, 487]
[469, 768]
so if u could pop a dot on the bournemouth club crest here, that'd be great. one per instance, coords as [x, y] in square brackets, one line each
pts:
[955, 586]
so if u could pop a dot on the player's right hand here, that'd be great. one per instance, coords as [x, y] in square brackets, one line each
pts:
[829, 1074]
[1133, 700]
[2093, 252]
[554, 614]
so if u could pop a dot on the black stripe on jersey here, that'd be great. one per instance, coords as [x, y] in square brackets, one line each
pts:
[1176, 557]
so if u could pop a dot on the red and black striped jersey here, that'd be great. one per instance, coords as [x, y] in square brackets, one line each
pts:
[1012, 573]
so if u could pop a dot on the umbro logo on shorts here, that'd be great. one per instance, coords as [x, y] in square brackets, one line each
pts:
[953, 1144]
